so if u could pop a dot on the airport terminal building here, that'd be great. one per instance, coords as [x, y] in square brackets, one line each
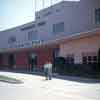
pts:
[67, 29]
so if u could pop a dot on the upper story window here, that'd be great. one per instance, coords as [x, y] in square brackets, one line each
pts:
[97, 15]
[41, 23]
[58, 10]
[11, 39]
[47, 14]
[32, 35]
[59, 27]
[37, 17]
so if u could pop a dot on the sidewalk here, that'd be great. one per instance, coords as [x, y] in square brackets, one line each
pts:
[64, 77]
[35, 87]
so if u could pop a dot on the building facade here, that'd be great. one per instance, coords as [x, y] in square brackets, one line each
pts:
[67, 29]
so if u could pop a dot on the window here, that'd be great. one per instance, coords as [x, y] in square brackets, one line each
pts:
[37, 17]
[11, 39]
[89, 59]
[47, 14]
[32, 35]
[97, 15]
[70, 59]
[84, 59]
[95, 58]
[41, 23]
[59, 27]
[57, 10]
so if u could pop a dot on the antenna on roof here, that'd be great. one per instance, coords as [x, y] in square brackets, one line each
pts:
[50, 2]
[43, 4]
[35, 3]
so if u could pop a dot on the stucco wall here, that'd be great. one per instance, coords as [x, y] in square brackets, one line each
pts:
[78, 46]
[5, 60]
[44, 56]
[22, 60]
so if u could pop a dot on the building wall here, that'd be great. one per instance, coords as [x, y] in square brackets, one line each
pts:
[22, 60]
[5, 60]
[87, 45]
[44, 56]
[1, 61]
[80, 16]
[20, 35]
[77, 16]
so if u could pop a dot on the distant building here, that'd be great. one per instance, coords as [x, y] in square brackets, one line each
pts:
[67, 29]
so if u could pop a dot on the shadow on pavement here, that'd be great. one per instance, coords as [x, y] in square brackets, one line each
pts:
[72, 78]
[78, 79]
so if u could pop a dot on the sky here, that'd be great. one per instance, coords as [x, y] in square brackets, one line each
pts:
[17, 12]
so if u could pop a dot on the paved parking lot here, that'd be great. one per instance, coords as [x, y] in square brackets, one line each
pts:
[36, 88]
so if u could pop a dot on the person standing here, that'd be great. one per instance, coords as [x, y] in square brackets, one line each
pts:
[48, 70]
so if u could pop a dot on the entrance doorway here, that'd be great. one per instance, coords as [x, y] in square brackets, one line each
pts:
[55, 55]
[11, 61]
[32, 61]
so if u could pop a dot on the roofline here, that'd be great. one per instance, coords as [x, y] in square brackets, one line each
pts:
[19, 26]
[75, 36]
[56, 4]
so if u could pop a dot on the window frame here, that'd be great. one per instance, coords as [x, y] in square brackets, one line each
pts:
[89, 58]
[32, 35]
[97, 15]
[70, 59]
[57, 29]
